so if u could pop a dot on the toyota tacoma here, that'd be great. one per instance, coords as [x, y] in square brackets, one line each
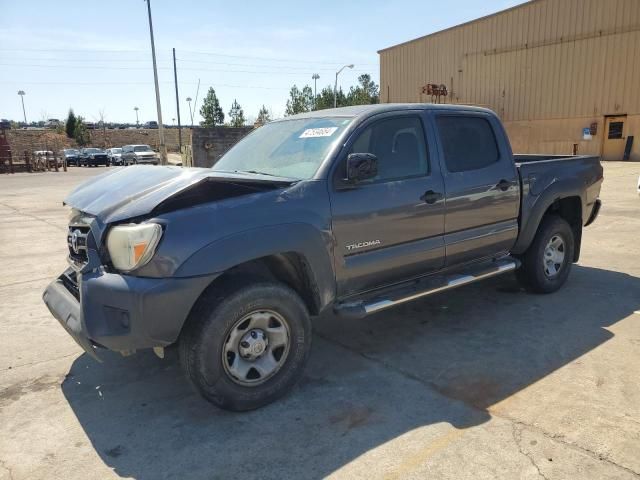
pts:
[353, 210]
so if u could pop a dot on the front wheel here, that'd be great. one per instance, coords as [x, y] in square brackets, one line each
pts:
[547, 262]
[243, 348]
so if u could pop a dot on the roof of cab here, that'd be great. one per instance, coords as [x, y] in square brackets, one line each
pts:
[367, 110]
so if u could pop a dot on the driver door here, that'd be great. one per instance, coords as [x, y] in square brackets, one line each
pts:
[389, 228]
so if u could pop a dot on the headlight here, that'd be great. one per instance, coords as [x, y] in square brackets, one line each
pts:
[132, 246]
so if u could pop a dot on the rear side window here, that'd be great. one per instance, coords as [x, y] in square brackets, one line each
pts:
[468, 142]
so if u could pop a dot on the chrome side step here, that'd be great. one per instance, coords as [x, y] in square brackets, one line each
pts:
[424, 287]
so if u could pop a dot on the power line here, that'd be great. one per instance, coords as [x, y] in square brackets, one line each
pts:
[261, 87]
[96, 63]
[195, 69]
[192, 52]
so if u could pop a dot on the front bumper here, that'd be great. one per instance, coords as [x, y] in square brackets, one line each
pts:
[594, 213]
[147, 160]
[122, 312]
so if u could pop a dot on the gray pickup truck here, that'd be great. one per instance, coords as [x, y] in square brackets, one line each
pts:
[353, 210]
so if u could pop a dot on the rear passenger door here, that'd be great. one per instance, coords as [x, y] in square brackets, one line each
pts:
[389, 228]
[481, 182]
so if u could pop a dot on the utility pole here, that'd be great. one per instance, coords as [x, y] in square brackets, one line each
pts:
[175, 77]
[137, 121]
[22, 94]
[335, 86]
[163, 147]
[315, 78]
[190, 111]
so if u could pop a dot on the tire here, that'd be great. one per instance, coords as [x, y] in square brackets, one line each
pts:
[211, 344]
[547, 262]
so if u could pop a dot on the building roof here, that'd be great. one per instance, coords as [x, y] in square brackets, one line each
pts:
[522, 5]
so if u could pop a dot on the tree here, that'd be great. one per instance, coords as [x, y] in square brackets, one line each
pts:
[211, 110]
[325, 98]
[80, 132]
[236, 114]
[366, 92]
[263, 116]
[299, 100]
[70, 125]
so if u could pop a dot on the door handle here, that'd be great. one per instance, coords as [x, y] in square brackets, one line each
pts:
[431, 197]
[503, 185]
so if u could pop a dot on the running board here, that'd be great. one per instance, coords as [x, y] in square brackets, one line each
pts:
[423, 287]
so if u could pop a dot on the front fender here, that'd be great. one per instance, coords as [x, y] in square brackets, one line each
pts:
[313, 245]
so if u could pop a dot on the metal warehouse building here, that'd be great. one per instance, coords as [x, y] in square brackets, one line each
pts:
[564, 75]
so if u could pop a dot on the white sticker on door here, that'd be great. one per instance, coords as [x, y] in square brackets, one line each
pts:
[318, 132]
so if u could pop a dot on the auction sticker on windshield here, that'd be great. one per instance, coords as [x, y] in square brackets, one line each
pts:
[318, 132]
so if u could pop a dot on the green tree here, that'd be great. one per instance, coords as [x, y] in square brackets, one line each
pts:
[325, 98]
[80, 132]
[263, 116]
[211, 110]
[236, 114]
[300, 101]
[70, 125]
[366, 92]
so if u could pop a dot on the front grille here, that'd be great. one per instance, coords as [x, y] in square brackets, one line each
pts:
[70, 282]
[77, 241]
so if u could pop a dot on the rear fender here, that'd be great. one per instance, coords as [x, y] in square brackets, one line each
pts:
[535, 205]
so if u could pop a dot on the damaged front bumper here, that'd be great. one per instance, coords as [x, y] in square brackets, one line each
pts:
[122, 313]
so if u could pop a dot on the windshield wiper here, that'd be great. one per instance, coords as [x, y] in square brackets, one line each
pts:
[256, 172]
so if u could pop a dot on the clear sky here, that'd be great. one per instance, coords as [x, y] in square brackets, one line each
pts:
[95, 56]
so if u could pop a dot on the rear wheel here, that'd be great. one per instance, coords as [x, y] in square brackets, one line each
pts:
[547, 262]
[245, 347]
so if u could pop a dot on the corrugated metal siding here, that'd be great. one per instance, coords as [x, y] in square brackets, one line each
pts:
[547, 59]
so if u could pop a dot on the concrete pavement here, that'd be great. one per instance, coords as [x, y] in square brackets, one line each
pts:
[486, 381]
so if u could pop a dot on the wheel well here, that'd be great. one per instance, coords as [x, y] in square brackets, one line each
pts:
[289, 268]
[570, 208]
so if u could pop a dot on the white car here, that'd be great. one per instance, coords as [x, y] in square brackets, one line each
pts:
[115, 156]
[135, 154]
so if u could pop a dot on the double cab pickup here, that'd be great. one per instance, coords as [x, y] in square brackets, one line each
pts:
[353, 210]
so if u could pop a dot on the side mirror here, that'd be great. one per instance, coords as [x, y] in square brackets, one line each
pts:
[361, 166]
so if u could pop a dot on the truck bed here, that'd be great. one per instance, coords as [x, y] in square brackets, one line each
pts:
[530, 158]
[547, 178]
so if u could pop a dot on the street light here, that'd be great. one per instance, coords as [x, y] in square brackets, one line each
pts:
[137, 121]
[335, 86]
[190, 112]
[163, 147]
[22, 94]
[315, 78]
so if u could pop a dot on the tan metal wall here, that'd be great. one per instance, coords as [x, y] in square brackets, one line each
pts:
[559, 60]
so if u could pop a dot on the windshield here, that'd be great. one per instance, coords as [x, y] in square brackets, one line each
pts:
[290, 148]
[71, 152]
[93, 150]
[142, 148]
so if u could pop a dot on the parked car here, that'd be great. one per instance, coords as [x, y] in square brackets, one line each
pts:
[115, 156]
[52, 123]
[354, 210]
[47, 156]
[72, 156]
[92, 157]
[135, 154]
[151, 125]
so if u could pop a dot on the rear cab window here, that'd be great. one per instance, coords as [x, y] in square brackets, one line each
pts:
[468, 142]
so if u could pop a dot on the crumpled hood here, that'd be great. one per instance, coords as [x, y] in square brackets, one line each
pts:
[135, 191]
